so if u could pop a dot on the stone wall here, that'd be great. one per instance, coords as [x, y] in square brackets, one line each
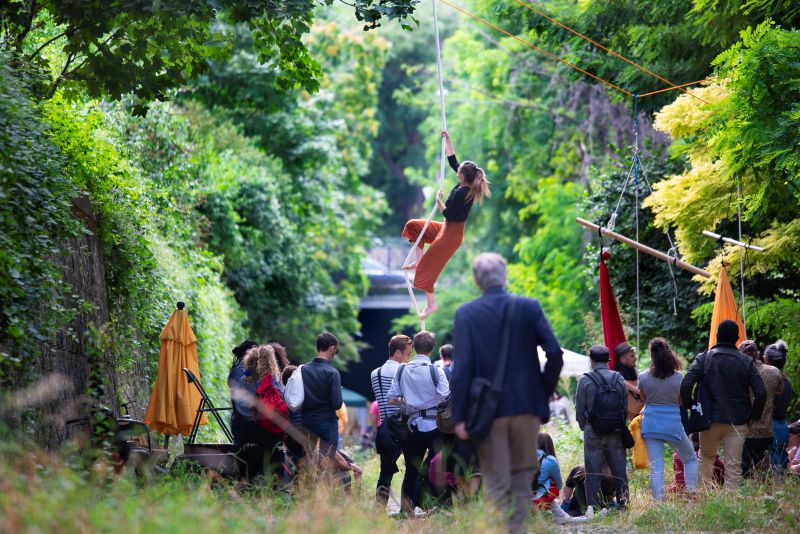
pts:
[67, 361]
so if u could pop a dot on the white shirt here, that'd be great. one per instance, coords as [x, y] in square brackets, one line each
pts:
[419, 392]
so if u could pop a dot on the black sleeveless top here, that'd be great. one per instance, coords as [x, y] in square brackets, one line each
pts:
[456, 207]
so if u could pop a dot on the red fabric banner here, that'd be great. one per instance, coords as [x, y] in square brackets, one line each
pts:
[613, 334]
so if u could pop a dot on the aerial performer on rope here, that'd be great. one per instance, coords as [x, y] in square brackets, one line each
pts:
[443, 239]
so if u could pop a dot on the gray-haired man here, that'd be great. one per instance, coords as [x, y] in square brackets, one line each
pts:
[507, 464]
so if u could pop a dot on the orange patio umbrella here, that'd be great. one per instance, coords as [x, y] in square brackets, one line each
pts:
[724, 308]
[174, 402]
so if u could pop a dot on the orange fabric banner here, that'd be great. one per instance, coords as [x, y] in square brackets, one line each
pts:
[724, 308]
[174, 401]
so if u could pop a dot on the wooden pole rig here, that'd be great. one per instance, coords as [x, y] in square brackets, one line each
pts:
[644, 248]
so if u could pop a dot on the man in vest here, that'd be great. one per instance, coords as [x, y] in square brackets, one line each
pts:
[602, 446]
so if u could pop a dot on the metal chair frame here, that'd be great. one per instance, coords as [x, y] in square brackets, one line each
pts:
[206, 406]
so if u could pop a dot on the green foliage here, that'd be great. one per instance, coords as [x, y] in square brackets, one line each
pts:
[746, 137]
[261, 233]
[659, 315]
[293, 216]
[35, 220]
[399, 147]
[549, 264]
[147, 48]
[149, 260]
[721, 22]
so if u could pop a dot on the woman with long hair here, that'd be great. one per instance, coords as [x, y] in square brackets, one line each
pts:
[548, 484]
[443, 239]
[261, 369]
[660, 387]
[280, 355]
[260, 362]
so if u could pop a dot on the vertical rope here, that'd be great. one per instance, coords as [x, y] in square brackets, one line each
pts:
[443, 159]
[636, 205]
[741, 251]
[442, 163]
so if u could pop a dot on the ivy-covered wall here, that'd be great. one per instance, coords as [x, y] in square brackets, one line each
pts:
[260, 231]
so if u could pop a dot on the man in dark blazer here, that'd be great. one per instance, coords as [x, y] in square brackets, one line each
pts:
[506, 456]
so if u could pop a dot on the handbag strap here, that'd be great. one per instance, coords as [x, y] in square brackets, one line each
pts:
[500, 372]
[380, 387]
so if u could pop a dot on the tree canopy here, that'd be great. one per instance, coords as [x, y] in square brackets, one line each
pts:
[281, 139]
[111, 48]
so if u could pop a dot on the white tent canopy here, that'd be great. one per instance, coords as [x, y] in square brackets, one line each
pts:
[574, 364]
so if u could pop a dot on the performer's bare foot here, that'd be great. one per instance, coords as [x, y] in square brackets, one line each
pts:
[412, 267]
[427, 311]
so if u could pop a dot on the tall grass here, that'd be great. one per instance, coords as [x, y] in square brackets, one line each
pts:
[44, 492]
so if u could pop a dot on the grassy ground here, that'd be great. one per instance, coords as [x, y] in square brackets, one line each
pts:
[49, 493]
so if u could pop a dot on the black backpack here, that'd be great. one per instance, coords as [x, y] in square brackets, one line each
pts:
[608, 409]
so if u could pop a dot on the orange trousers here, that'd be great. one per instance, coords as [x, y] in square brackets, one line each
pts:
[443, 239]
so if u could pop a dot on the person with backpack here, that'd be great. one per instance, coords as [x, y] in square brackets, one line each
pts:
[418, 388]
[601, 409]
[269, 411]
[385, 443]
[726, 377]
[660, 388]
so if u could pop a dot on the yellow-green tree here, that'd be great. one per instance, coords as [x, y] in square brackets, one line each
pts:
[745, 136]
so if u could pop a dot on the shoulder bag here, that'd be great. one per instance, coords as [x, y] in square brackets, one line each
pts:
[397, 422]
[294, 393]
[485, 395]
[700, 410]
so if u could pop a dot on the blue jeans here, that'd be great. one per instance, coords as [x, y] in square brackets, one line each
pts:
[655, 457]
[780, 439]
[326, 431]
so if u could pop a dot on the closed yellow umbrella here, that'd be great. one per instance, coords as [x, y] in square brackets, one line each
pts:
[724, 308]
[174, 401]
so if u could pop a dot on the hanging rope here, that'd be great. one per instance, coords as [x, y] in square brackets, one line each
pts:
[615, 54]
[741, 254]
[442, 163]
[636, 164]
[534, 47]
[680, 87]
[575, 67]
[636, 205]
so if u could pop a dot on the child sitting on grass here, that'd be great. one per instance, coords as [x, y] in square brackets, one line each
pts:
[793, 448]
[548, 484]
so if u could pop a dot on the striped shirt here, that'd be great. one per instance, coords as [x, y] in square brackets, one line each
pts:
[381, 391]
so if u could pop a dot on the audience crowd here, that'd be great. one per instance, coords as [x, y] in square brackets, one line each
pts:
[470, 420]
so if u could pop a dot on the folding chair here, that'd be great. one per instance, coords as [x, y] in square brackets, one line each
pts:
[206, 406]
